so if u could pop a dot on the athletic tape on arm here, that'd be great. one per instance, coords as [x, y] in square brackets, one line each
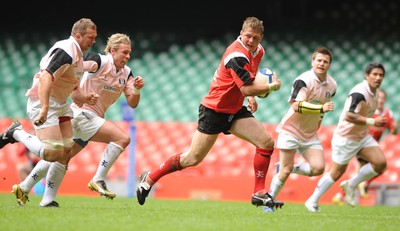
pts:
[309, 108]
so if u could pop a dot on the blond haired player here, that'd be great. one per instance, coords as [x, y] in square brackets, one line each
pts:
[310, 99]
[352, 138]
[108, 79]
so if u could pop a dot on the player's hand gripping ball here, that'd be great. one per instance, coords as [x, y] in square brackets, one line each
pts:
[264, 76]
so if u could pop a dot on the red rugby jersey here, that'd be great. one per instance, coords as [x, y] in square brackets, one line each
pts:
[377, 132]
[238, 67]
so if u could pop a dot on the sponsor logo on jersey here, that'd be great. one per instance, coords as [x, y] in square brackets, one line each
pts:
[111, 88]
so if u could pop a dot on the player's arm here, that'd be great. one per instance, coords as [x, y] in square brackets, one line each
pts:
[236, 65]
[252, 104]
[243, 78]
[391, 125]
[92, 62]
[353, 117]
[58, 64]
[304, 107]
[261, 89]
[44, 90]
[358, 119]
[395, 127]
[79, 98]
[299, 91]
[276, 83]
[133, 98]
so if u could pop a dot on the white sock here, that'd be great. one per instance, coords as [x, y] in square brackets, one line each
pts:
[30, 141]
[302, 169]
[366, 172]
[276, 186]
[110, 155]
[54, 178]
[37, 173]
[323, 185]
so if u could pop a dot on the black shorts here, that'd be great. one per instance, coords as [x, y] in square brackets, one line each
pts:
[211, 122]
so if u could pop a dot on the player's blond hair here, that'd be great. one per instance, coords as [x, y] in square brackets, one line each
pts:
[115, 40]
[254, 23]
[82, 25]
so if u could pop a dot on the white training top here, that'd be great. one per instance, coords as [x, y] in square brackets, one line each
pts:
[306, 87]
[362, 101]
[65, 62]
[106, 82]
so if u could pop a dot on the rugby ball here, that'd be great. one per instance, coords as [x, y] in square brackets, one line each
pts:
[264, 76]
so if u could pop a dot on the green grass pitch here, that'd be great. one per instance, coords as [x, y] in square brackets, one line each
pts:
[98, 213]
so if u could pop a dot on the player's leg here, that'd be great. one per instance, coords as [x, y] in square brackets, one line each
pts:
[323, 185]
[16, 133]
[58, 168]
[39, 147]
[287, 146]
[286, 161]
[376, 165]
[210, 124]
[362, 187]
[200, 146]
[251, 130]
[343, 151]
[117, 140]
[369, 150]
[7, 136]
[315, 164]
[22, 189]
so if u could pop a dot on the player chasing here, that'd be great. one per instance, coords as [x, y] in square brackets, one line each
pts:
[352, 138]
[109, 77]
[309, 101]
[222, 111]
[377, 132]
[48, 108]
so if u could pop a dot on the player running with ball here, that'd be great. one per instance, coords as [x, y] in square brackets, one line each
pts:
[222, 111]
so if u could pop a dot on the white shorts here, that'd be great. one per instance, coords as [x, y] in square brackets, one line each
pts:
[85, 124]
[286, 141]
[343, 149]
[56, 110]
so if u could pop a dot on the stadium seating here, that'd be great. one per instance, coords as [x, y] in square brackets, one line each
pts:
[179, 76]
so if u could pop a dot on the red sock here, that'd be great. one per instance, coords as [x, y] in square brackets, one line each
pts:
[261, 165]
[169, 166]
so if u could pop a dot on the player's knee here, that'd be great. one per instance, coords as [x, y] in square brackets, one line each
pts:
[68, 143]
[270, 143]
[381, 166]
[317, 171]
[189, 161]
[52, 155]
[267, 142]
[124, 141]
[266, 152]
[285, 171]
[193, 162]
[53, 150]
